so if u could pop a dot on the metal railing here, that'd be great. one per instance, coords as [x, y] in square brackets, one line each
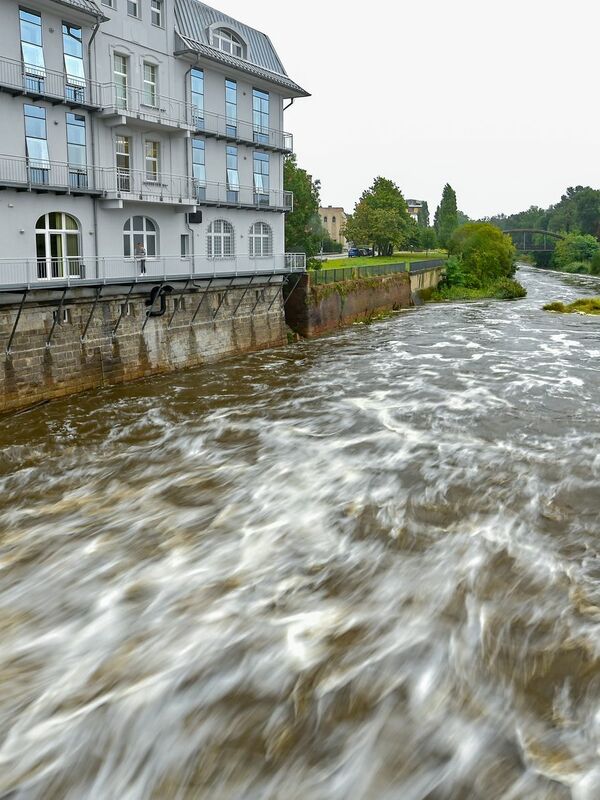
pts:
[48, 83]
[135, 184]
[74, 270]
[38, 173]
[339, 274]
[145, 105]
[212, 124]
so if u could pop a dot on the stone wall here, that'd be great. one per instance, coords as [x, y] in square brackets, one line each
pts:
[34, 372]
[312, 310]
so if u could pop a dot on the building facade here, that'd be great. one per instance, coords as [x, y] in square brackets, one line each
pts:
[334, 221]
[140, 139]
[414, 208]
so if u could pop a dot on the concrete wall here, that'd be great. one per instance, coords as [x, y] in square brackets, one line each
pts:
[313, 310]
[427, 279]
[34, 373]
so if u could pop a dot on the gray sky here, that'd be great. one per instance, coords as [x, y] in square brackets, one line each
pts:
[498, 99]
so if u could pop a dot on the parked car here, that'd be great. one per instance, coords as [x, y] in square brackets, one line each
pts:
[354, 252]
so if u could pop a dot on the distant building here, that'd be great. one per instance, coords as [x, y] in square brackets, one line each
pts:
[414, 208]
[334, 220]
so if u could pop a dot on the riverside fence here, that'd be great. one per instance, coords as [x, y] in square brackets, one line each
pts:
[339, 274]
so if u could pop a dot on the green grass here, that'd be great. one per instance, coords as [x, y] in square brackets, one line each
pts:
[372, 261]
[504, 289]
[588, 305]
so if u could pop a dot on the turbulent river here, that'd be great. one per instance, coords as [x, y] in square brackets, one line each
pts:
[365, 567]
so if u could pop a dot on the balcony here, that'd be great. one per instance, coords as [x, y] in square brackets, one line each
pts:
[25, 175]
[47, 84]
[49, 273]
[122, 106]
[220, 194]
[218, 126]
[137, 185]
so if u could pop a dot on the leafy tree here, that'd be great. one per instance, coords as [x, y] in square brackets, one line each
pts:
[446, 216]
[380, 218]
[595, 264]
[428, 239]
[303, 229]
[576, 247]
[486, 253]
[424, 215]
[462, 217]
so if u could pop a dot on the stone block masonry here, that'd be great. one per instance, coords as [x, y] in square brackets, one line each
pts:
[247, 318]
[313, 310]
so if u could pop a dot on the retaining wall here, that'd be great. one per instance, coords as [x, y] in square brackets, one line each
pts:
[34, 372]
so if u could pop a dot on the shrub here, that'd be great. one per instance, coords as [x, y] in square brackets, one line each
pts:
[595, 264]
[486, 253]
[578, 267]
[507, 289]
[455, 275]
[575, 247]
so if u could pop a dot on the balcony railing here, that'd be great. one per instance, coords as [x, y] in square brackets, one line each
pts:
[77, 270]
[50, 175]
[211, 124]
[154, 187]
[28, 79]
[146, 106]
[222, 194]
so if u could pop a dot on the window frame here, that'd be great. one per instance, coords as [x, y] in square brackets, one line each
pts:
[151, 83]
[199, 167]
[197, 74]
[159, 11]
[121, 81]
[153, 159]
[65, 265]
[34, 74]
[231, 107]
[261, 193]
[138, 11]
[75, 82]
[225, 235]
[78, 171]
[262, 238]
[228, 41]
[145, 234]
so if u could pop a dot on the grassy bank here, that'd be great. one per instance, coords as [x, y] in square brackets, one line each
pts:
[372, 261]
[503, 289]
[587, 305]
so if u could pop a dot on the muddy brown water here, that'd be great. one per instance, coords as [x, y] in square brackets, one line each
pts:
[360, 567]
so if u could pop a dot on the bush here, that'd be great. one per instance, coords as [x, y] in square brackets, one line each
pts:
[586, 305]
[576, 247]
[455, 275]
[507, 289]
[577, 267]
[486, 253]
[595, 264]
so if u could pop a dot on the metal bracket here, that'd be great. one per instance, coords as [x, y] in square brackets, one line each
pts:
[178, 303]
[14, 330]
[162, 283]
[123, 306]
[223, 298]
[89, 319]
[199, 306]
[244, 293]
[291, 292]
[258, 298]
[56, 317]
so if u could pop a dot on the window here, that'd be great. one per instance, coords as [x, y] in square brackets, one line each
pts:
[58, 246]
[185, 245]
[120, 73]
[333, 220]
[151, 154]
[36, 139]
[109, 3]
[156, 12]
[260, 116]
[197, 83]
[150, 83]
[231, 108]
[260, 240]
[73, 56]
[123, 159]
[219, 240]
[199, 168]
[127, 310]
[76, 151]
[233, 179]
[261, 179]
[325, 220]
[140, 234]
[133, 8]
[31, 49]
[228, 42]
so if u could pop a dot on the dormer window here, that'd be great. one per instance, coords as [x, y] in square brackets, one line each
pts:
[228, 42]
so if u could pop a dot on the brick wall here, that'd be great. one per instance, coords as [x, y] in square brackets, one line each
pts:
[34, 373]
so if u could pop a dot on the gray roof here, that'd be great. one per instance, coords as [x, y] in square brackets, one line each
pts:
[193, 20]
[87, 6]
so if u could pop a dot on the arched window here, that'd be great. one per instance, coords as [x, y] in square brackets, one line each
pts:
[58, 246]
[261, 240]
[219, 240]
[140, 235]
[227, 41]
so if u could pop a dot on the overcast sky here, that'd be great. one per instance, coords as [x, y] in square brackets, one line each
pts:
[500, 100]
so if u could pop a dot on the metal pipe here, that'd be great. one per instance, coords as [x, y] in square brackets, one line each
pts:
[14, 330]
[223, 298]
[57, 314]
[87, 324]
[244, 293]
[123, 307]
[178, 304]
[204, 294]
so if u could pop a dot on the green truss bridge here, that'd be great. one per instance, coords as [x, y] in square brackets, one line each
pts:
[534, 240]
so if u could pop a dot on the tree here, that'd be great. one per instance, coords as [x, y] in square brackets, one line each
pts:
[424, 215]
[486, 254]
[380, 218]
[576, 247]
[446, 216]
[428, 239]
[303, 229]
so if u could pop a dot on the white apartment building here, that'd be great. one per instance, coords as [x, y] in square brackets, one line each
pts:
[139, 139]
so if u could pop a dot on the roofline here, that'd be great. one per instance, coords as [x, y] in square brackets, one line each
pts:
[97, 15]
[283, 81]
